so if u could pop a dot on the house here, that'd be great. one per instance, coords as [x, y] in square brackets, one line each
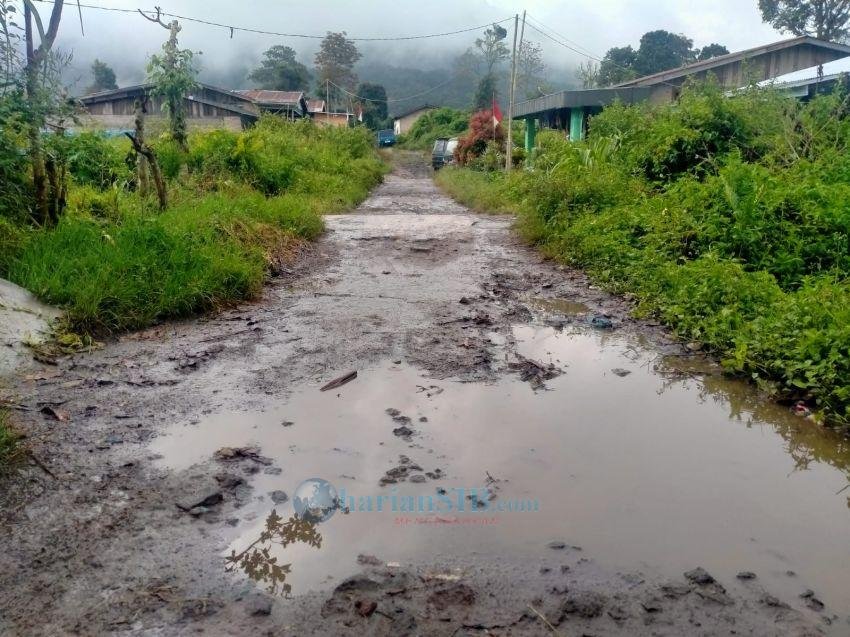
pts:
[206, 107]
[569, 110]
[403, 122]
[289, 104]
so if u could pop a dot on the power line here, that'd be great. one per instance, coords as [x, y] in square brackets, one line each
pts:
[233, 29]
[540, 26]
[585, 52]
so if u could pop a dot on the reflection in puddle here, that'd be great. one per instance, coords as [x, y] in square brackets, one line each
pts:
[653, 471]
[564, 307]
[259, 563]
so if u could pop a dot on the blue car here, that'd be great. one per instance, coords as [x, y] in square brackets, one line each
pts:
[386, 137]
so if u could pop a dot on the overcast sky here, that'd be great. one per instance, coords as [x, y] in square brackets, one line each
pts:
[125, 40]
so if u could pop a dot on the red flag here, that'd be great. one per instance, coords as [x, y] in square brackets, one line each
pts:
[497, 113]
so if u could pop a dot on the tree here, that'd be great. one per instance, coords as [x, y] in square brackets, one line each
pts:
[661, 50]
[280, 71]
[712, 51]
[374, 105]
[588, 74]
[658, 51]
[822, 19]
[173, 76]
[46, 202]
[530, 68]
[485, 93]
[103, 76]
[335, 65]
[617, 66]
[492, 48]
[482, 131]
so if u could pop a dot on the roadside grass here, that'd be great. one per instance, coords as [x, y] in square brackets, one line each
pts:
[725, 217]
[114, 263]
[442, 122]
[480, 191]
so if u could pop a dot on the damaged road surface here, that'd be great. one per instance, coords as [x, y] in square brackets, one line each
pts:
[499, 450]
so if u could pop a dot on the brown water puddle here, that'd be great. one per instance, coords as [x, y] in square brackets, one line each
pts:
[647, 470]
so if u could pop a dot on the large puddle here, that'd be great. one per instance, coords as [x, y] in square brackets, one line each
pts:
[644, 468]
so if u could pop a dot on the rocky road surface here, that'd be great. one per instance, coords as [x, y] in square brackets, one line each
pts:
[93, 542]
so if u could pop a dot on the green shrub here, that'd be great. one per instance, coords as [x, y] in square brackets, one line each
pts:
[15, 190]
[92, 159]
[114, 262]
[170, 157]
[727, 217]
[442, 122]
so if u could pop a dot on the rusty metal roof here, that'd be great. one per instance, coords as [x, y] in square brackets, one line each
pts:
[282, 98]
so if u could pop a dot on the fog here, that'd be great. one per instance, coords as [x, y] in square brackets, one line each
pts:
[125, 40]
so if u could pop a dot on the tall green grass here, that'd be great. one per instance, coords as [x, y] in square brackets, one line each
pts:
[113, 262]
[728, 218]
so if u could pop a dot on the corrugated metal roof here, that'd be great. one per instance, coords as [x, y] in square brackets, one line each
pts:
[315, 106]
[829, 51]
[262, 96]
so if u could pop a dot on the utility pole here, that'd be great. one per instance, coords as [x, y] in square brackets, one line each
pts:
[328, 101]
[509, 150]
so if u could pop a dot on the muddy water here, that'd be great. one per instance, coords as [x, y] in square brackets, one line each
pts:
[648, 471]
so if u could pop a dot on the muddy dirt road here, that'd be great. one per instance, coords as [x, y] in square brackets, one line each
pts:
[516, 456]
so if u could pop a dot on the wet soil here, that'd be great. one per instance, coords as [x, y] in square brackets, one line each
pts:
[515, 456]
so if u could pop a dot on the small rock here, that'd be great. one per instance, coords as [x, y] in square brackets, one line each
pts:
[699, 576]
[208, 501]
[652, 605]
[403, 431]
[278, 497]
[287, 423]
[601, 322]
[465, 300]
[618, 613]
[557, 545]
[417, 478]
[675, 590]
[369, 560]
[773, 602]
[260, 606]
[619, 371]
[746, 575]
[365, 607]
[229, 480]
[586, 604]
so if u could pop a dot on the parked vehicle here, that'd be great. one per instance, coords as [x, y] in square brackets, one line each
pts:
[443, 153]
[386, 137]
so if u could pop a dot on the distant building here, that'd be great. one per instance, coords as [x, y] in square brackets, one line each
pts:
[569, 110]
[403, 122]
[206, 107]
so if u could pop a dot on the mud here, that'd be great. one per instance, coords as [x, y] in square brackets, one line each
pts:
[592, 462]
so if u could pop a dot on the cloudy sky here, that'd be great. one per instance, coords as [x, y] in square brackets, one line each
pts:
[124, 40]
